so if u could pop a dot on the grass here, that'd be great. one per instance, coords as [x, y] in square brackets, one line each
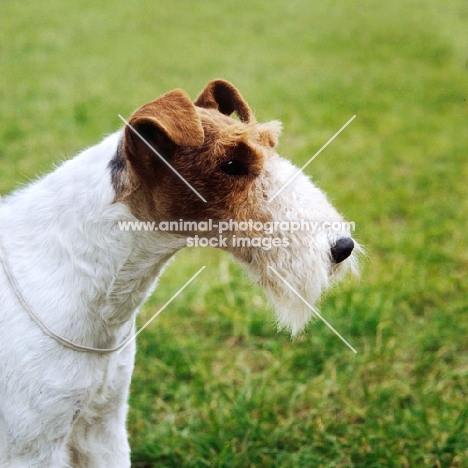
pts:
[215, 385]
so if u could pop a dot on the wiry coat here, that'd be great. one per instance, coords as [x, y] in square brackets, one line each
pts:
[86, 278]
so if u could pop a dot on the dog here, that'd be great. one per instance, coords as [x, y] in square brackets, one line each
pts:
[72, 279]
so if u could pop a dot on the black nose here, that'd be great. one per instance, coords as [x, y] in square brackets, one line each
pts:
[342, 249]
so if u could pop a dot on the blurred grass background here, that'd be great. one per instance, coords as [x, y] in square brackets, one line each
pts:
[215, 385]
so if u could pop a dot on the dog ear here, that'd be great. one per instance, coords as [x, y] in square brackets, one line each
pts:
[166, 123]
[224, 97]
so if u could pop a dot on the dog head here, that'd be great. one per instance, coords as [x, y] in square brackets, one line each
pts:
[210, 160]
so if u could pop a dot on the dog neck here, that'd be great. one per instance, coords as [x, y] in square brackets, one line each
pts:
[86, 277]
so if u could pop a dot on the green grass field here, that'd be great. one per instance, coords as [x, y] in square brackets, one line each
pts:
[215, 385]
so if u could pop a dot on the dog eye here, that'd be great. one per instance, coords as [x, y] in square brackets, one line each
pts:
[234, 167]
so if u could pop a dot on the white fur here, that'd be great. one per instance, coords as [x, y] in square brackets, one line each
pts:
[305, 264]
[85, 278]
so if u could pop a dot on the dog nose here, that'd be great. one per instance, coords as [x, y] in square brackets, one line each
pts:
[342, 249]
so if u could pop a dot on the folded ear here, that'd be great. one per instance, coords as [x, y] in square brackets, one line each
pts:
[224, 97]
[166, 123]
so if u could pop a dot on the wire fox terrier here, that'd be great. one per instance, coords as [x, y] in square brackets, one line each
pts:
[72, 279]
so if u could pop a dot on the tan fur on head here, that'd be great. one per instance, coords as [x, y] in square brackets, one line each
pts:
[196, 139]
[165, 123]
[175, 114]
[224, 97]
[270, 133]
